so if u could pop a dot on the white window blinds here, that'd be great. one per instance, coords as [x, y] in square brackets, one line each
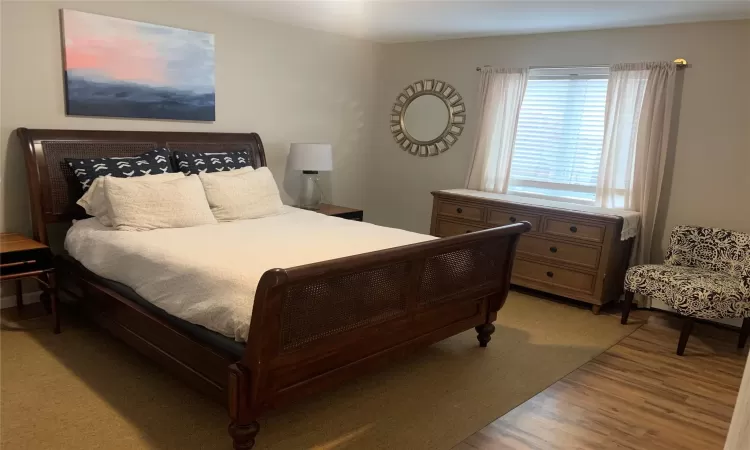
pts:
[558, 144]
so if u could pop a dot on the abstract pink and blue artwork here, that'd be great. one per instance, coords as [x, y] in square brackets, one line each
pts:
[121, 68]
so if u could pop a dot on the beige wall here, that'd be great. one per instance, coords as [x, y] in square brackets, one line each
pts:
[710, 180]
[286, 83]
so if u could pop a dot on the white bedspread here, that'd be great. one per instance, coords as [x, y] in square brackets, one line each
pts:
[207, 275]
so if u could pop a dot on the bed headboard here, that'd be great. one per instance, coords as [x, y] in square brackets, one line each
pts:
[54, 190]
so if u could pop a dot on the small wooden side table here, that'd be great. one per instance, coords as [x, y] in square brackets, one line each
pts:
[341, 211]
[21, 257]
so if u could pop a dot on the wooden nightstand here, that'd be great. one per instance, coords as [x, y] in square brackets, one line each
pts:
[21, 257]
[341, 211]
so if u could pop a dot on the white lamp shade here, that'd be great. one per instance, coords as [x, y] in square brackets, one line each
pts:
[316, 157]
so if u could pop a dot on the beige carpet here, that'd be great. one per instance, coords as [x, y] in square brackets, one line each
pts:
[84, 390]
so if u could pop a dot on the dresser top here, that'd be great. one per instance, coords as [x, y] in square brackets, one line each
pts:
[630, 218]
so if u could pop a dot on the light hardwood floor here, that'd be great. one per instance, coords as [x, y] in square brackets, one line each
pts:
[637, 395]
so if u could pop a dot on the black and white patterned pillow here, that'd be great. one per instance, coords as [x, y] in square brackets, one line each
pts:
[153, 162]
[206, 162]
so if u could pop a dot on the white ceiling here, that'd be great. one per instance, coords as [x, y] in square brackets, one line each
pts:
[400, 21]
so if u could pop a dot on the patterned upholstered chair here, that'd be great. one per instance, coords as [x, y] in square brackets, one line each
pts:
[706, 275]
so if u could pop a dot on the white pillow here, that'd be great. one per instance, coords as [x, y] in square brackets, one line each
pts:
[136, 205]
[94, 202]
[230, 173]
[246, 195]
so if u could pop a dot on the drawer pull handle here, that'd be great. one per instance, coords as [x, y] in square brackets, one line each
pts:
[553, 249]
[573, 229]
[459, 210]
[512, 219]
[550, 274]
[16, 264]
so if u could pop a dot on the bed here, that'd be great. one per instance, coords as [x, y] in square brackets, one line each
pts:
[311, 325]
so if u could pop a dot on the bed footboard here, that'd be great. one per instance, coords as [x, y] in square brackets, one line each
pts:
[317, 325]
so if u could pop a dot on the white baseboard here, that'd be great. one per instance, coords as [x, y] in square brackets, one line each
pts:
[9, 301]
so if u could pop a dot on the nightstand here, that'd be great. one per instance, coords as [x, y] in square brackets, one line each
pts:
[21, 257]
[341, 211]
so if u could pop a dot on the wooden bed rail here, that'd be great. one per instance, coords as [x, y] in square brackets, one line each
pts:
[317, 325]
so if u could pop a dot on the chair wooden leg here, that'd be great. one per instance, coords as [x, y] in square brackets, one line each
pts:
[54, 302]
[687, 328]
[627, 303]
[45, 298]
[744, 332]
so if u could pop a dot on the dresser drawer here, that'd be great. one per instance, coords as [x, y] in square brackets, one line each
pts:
[445, 228]
[503, 217]
[560, 251]
[475, 213]
[584, 232]
[553, 276]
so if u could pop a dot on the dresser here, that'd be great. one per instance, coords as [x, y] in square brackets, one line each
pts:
[576, 252]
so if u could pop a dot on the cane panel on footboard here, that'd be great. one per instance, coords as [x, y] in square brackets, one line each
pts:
[311, 311]
[447, 274]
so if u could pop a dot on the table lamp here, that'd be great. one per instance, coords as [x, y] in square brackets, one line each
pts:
[310, 159]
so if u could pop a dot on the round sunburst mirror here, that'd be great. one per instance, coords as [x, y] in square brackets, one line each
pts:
[428, 117]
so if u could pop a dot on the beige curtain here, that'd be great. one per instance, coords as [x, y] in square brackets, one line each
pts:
[500, 95]
[636, 134]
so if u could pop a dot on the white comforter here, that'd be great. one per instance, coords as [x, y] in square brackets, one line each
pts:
[207, 275]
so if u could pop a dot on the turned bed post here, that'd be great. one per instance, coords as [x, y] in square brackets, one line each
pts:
[243, 435]
[484, 333]
[243, 428]
[485, 330]
[497, 300]
[262, 344]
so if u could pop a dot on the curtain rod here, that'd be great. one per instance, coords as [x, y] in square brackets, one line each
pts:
[680, 62]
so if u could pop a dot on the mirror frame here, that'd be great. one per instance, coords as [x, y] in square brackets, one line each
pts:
[453, 129]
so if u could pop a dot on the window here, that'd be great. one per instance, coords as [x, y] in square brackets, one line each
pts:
[558, 145]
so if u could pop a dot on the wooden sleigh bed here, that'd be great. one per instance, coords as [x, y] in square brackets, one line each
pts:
[302, 338]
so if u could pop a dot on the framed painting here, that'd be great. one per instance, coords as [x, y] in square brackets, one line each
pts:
[122, 68]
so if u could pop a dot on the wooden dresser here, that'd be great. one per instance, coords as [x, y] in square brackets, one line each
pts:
[574, 254]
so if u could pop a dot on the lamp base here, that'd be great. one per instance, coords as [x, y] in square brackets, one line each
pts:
[310, 194]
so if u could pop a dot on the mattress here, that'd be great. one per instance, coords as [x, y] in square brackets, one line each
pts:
[201, 334]
[208, 275]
